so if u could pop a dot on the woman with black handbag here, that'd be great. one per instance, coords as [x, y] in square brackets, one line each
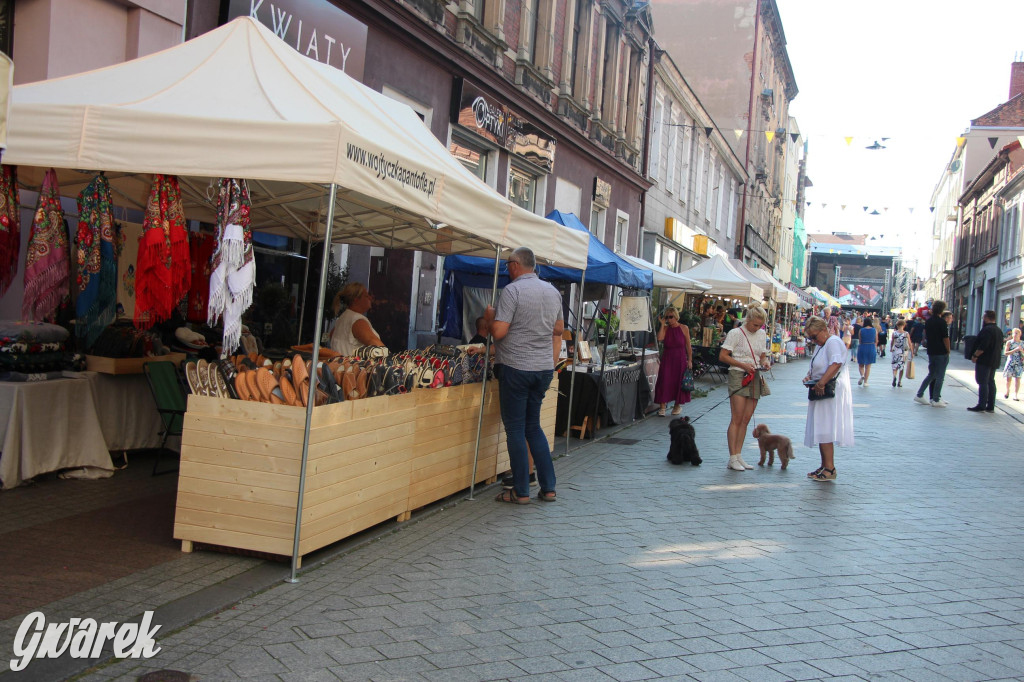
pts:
[830, 403]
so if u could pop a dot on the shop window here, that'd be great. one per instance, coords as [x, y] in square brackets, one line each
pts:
[473, 157]
[597, 215]
[522, 188]
[668, 259]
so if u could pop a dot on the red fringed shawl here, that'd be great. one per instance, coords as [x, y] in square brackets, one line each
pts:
[163, 271]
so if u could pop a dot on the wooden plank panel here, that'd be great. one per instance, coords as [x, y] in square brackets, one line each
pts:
[353, 464]
[255, 510]
[234, 491]
[213, 536]
[252, 446]
[242, 460]
[238, 524]
[242, 429]
[243, 477]
[365, 430]
[370, 514]
[351, 498]
[244, 410]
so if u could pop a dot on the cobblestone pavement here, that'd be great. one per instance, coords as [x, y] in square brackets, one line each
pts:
[907, 567]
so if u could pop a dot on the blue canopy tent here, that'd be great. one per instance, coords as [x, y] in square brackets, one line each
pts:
[604, 266]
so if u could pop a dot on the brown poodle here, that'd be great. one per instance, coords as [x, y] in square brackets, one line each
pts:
[769, 443]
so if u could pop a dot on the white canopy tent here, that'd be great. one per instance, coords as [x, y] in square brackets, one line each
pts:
[239, 102]
[773, 287]
[326, 157]
[724, 279]
[663, 277]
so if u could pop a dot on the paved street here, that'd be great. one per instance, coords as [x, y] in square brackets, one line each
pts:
[907, 567]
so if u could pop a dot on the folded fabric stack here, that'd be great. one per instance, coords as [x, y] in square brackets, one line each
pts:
[123, 340]
[31, 350]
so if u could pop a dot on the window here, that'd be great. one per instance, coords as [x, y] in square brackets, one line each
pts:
[478, 10]
[721, 194]
[522, 188]
[474, 158]
[698, 177]
[609, 70]
[597, 222]
[670, 171]
[579, 48]
[621, 232]
[531, 8]
[656, 139]
[730, 225]
[684, 171]
[711, 179]
[668, 259]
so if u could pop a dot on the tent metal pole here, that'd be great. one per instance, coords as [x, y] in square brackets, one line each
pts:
[313, 379]
[643, 354]
[305, 286]
[483, 384]
[604, 360]
[575, 360]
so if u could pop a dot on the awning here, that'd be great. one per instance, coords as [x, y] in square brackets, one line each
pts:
[665, 278]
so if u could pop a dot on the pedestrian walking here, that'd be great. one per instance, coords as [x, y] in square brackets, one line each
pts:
[882, 327]
[987, 351]
[855, 335]
[527, 330]
[830, 403]
[867, 351]
[833, 320]
[936, 333]
[899, 350]
[917, 330]
[1014, 352]
[676, 358]
[745, 351]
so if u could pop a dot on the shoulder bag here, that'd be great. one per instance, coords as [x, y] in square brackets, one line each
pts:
[830, 385]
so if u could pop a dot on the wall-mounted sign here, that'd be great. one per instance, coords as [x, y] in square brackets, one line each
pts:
[316, 28]
[485, 116]
[602, 192]
[962, 278]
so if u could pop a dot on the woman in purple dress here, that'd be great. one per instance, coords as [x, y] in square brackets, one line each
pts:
[676, 358]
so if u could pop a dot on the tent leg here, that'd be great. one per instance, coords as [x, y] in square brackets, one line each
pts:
[604, 360]
[305, 285]
[483, 385]
[575, 361]
[331, 201]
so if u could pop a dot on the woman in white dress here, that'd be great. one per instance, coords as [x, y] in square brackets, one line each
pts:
[829, 420]
[745, 350]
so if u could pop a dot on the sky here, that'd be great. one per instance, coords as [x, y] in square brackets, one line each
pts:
[914, 71]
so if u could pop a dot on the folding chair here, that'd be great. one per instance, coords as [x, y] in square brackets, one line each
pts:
[169, 396]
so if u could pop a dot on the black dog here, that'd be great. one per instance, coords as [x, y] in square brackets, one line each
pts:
[683, 447]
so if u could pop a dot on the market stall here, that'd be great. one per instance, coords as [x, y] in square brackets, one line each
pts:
[605, 390]
[326, 159]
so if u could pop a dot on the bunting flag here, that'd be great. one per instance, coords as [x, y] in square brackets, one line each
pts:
[992, 142]
[932, 209]
[96, 307]
[849, 141]
[1020, 139]
[708, 131]
[10, 226]
[163, 271]
[739, 134]
[865, 209]
[769, 135]
[234, 270]
[47, 265]
[843, 207]
[794, 137]
[960, 141]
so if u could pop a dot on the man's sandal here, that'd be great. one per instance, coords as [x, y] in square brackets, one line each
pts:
[548, 496]
[510, 497]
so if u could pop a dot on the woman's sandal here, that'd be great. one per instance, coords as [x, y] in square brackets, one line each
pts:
[814, 473]
[510, 497]
[825, 475]
[548, 496]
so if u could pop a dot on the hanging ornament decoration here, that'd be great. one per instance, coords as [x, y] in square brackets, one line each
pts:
[162, 271]
[95, 238]
[234, 270]
[47, 265]
[10, 226]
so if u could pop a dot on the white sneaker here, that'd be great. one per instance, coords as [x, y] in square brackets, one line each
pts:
[735, 464]
[922, 400]
[939, 403]
[745, 465]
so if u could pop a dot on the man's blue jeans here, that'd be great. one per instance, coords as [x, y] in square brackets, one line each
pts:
[936, 375]
[521, 394]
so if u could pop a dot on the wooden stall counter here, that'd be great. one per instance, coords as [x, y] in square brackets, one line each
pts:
[369, 460]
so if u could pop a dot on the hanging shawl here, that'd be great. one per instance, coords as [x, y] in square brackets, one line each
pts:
[162, 271]
[201, 248]
[234, 270]
[97, 262]
[47, 265]
[10, 227]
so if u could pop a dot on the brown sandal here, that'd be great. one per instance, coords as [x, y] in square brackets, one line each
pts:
[546, 496]
[510, 497]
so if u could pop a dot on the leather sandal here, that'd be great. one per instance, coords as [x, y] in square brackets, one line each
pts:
[546, 496]
[510, 497]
